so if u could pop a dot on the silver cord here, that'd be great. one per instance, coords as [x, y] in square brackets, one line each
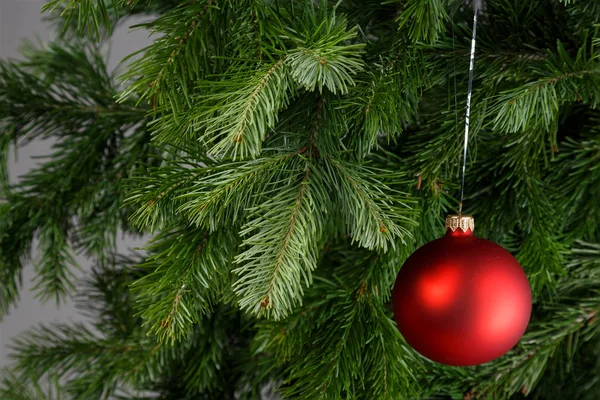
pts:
[468, 112]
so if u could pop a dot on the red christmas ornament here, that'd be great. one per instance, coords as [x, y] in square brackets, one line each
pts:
[461, 300]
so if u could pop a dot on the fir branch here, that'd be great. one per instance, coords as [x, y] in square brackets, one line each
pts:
[65, 92]
[280, 253]
[58, 350]
[534, 106]
[316, 68]
[14, 387]
[187, 274]
[384, 99]
[576, 173]
[54, 270]
[226, 191]
[171, 63]
[92, 15]
[232, 116]
[16, 237]
[325, 59]
[538, 99]
[211, 196]
[86, 365]
[41, 97]
[123, 359]
[346, 360]
[423, 19]
[104, 297]
[177, 50]
[374, 214]
[154, 203]
[99, 21]
[243, 116]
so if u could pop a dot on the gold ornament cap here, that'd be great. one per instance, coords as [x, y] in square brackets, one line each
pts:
[459, 221]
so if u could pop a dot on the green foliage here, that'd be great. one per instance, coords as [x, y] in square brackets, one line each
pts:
[172, 62]
[64, 92]
[238, 120]
[17, 235]
[281, 243]
[385, 98]
[121, 359]
[180, 288]
[534, 106]
[233, 110]
[92, 15]
[15, 388]
[97, 18]
[54, 278]
[581, 183]
[287, 157]
[424, 20]
[323, 57]
[363, 356]
[374, 213]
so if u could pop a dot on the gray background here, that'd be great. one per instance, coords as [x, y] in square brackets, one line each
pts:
[21, 19]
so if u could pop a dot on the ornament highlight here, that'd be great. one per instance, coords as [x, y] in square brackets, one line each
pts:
[461, 300]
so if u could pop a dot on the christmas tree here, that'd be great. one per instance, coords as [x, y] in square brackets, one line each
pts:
[286, 157]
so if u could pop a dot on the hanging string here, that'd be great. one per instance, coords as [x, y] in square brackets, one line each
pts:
[468, 112]
[454, 76]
